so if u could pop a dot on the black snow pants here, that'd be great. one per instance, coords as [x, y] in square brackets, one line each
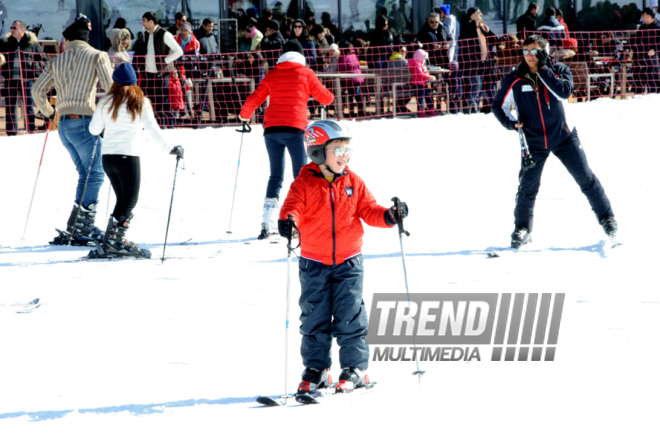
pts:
[572, 156]
[332, 306]
[123, 171]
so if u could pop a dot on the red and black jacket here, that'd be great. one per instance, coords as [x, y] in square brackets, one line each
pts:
[538, 103]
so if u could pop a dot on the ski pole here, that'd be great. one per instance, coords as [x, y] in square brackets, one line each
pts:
[107, 206]
[399, 223]
[169, 215]
[288, 291]
[36, 180]
[82, 196]
[245, 129]
[528, 161]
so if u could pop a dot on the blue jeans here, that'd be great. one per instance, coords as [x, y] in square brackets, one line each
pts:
[474, 85]
[80, 143]
[423, 97]
[276, 143]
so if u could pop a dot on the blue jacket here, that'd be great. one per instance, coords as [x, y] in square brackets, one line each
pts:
[538, 100]
[552, 29]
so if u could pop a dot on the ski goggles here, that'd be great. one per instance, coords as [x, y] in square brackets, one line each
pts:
[339, 152]
[533, 51]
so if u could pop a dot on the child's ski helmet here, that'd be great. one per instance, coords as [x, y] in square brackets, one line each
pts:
[321, 132]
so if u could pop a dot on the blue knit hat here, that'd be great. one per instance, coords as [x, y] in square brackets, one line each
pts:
[445, 9]
[125, 75]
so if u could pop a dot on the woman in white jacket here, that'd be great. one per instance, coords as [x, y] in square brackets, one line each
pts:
[122, 114]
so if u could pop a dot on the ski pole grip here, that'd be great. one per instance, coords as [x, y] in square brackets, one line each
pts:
[399, 221]
[245, 128]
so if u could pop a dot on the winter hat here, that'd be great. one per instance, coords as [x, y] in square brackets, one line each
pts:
[420, 55]
[125, 74]
[293, 46]
[186, 26]
[273, 24]
[79, 30]
[470, 12]
[445, 8]
[334, 47]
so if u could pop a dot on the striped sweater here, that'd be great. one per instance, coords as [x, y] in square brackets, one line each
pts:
[74, 74]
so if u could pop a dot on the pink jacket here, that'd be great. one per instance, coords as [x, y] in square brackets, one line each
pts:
[418, 71]
[350, 64]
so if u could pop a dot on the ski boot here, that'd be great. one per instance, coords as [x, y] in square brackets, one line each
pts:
[352, 378]
[609, 226]
[269, 223]
[115, 245]
[520, 236]
[80, 232]
[314, 379]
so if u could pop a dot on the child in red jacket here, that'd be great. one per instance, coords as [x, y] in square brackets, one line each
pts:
[328, 203]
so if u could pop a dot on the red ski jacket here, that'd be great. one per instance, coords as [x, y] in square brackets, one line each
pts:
[289, 85]
[328, 214]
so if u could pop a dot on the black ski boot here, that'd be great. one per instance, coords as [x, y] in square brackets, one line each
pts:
[352, 378]
[609, 226]
[82, 232]
[314, 379]
[520, 237]
[115, 245]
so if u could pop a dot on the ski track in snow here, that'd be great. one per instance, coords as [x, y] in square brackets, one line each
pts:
[183, 348]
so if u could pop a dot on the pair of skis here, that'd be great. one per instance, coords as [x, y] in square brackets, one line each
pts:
[308, 398]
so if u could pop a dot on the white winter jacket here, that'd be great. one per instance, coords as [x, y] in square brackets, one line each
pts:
[120, 137]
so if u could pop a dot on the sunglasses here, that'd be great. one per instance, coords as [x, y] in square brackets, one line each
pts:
[339, 152]
[13, 28]
[434, 22]
[297, 27]
[533, 51]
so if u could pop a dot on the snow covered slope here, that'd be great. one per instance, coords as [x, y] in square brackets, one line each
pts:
[182, 349]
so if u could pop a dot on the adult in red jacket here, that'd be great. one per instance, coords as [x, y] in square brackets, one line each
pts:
[289, 86]
[328, 203]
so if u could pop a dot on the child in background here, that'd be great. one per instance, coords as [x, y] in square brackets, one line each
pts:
[420, 78]
[348, 63]
[328, 203]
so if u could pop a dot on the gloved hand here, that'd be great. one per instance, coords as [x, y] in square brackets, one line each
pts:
[177, 151]
[544, 58]
[242, 119]
[52, 116]
[391, 216]
[285, 227]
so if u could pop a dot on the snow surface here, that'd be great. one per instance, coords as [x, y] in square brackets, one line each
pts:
[182, 349]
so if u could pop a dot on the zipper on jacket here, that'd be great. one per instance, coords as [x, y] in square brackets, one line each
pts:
[538, 99]
[334, 239]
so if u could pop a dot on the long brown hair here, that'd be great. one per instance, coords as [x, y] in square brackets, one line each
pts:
[131, 94]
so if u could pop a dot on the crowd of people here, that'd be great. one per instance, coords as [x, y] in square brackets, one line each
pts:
[461, 55]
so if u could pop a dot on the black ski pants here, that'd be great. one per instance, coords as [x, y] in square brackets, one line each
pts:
[123, 171]
[331, 306]
[572, 156]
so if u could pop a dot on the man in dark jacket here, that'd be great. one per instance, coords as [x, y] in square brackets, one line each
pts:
[207, 40]
[273, 40]
[646, 49]
[25, 61]
[527, 21]
[179, 19]
[536, 88]
[434, 36]
[551, 28]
